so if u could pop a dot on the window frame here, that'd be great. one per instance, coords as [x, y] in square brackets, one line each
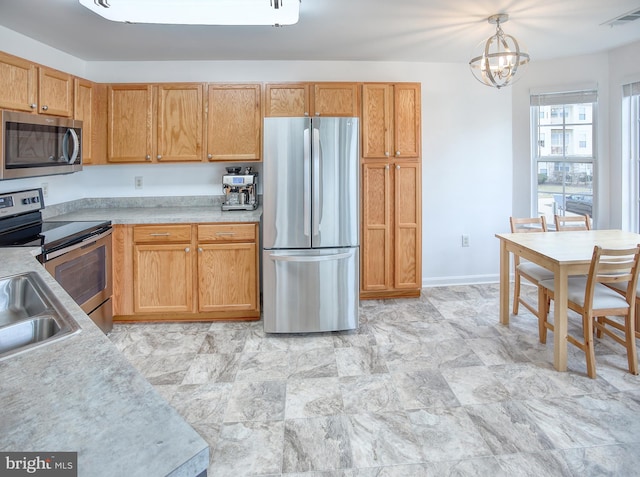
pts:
[561, 101]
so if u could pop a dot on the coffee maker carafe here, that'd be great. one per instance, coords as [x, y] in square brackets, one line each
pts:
[240, 189]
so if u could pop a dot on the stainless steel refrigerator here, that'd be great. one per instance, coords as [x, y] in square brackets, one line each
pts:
[311, 260]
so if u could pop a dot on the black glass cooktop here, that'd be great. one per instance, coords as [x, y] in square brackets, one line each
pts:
[50, 235]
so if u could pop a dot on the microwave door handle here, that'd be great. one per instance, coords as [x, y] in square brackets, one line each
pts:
[70, 157]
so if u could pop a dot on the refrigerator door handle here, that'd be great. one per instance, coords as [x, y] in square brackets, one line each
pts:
[306, 201]
[310, 258]
[316, 181]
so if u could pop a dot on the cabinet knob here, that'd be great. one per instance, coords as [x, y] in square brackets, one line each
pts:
[317, 114]
[159, 156]
[397, 153]
[45, 107]
[386, 167]
[397, 167]
[306, 113]
[209, 156]
[386, 153]
[33, 105]
[199, 249]
[187, 249]
[148, 157]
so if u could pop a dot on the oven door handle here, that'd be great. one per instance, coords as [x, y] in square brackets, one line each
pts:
[88, 241]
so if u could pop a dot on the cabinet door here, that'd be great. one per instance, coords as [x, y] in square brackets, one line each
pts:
[55, 92]
[83, 110]
[286, 99]
[234, 122]
[180, 122]
[130, 123]
[17, 83]
[163, 278]
[227, 277]
[376, 227]
[335, 99]
[407, 226]
[407, 120]
[376, 119]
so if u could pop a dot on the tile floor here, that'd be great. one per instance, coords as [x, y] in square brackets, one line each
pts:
[432, 386]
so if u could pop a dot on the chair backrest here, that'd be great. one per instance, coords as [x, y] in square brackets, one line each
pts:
[528, 224]
[613, 266]
[572, 222]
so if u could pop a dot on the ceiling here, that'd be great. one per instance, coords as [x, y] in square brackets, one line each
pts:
[367, 30]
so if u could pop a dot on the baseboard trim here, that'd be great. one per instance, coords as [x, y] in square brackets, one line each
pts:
[459, 280]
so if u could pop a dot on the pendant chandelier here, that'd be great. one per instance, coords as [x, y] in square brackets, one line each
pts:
[499, 58]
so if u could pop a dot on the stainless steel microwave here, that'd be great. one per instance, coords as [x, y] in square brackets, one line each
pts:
[34, 145]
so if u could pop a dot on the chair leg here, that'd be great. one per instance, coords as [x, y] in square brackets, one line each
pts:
[543, 311]
[600, 320]
[630, 338]
[587, 326]
[516, 293]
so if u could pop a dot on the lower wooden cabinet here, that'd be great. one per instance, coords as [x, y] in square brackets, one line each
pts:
[186, 272]
[391, 246]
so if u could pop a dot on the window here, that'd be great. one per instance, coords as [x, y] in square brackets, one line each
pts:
[631, 145]
[564, 166]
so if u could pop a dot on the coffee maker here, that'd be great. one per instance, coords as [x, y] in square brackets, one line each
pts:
[240, 189]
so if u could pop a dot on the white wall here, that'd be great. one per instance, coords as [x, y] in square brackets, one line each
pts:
[466, 136]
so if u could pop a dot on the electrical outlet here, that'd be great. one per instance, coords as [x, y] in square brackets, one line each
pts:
[138, 182]
[45, 189]
[465, 240]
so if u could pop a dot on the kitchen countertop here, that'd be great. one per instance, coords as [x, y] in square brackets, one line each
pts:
[151, 210]
[161, 215]
[79, 394]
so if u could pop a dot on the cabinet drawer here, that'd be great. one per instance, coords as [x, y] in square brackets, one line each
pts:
[162, 233]
[226, 232]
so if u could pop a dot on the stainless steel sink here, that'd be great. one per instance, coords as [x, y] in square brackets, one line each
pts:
[30, 315]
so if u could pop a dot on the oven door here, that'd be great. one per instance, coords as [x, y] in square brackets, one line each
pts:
[84, 271]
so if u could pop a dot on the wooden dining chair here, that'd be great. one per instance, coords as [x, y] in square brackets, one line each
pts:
[598, 303]
[572, 222]
[527, 270]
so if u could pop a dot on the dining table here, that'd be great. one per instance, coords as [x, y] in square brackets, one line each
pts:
[565, 254]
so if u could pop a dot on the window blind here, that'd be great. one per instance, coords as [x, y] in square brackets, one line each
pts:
[567, 97]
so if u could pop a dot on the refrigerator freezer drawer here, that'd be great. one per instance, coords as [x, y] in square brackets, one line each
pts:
[310, 290]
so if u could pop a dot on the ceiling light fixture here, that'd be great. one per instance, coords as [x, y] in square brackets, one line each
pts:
[500, 57]
[198, 12]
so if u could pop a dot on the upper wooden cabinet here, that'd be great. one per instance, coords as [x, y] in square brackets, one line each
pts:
[155, 123]
[286, 99]
[90, 107]
[25, 86]
[130, 123]
[55, 92]
[234, 122]
[391, 120]
[180, 122]
[311, 99]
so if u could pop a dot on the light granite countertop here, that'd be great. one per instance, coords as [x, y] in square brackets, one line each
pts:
[151, 210]
[79, 394]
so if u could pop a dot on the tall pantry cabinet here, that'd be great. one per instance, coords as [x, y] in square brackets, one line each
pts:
[391, 258]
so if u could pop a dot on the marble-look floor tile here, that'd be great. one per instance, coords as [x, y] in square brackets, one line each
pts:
[261, 366]
[224, 342]
[361, 337]
[391, 333]
[475, 385]
[615, 460]
[480, 466]
[447, 434]
[492, 351]
[315, 444]
[369, 392]
[423, 389]
[202, 402]
[355, 361]
[170, 369]
[313, 398]
[256, 401]
[385, 438]
[507, 428]
[212, 368]
[549, 464]
[313, 363]
[432, 355]
[248, 448]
